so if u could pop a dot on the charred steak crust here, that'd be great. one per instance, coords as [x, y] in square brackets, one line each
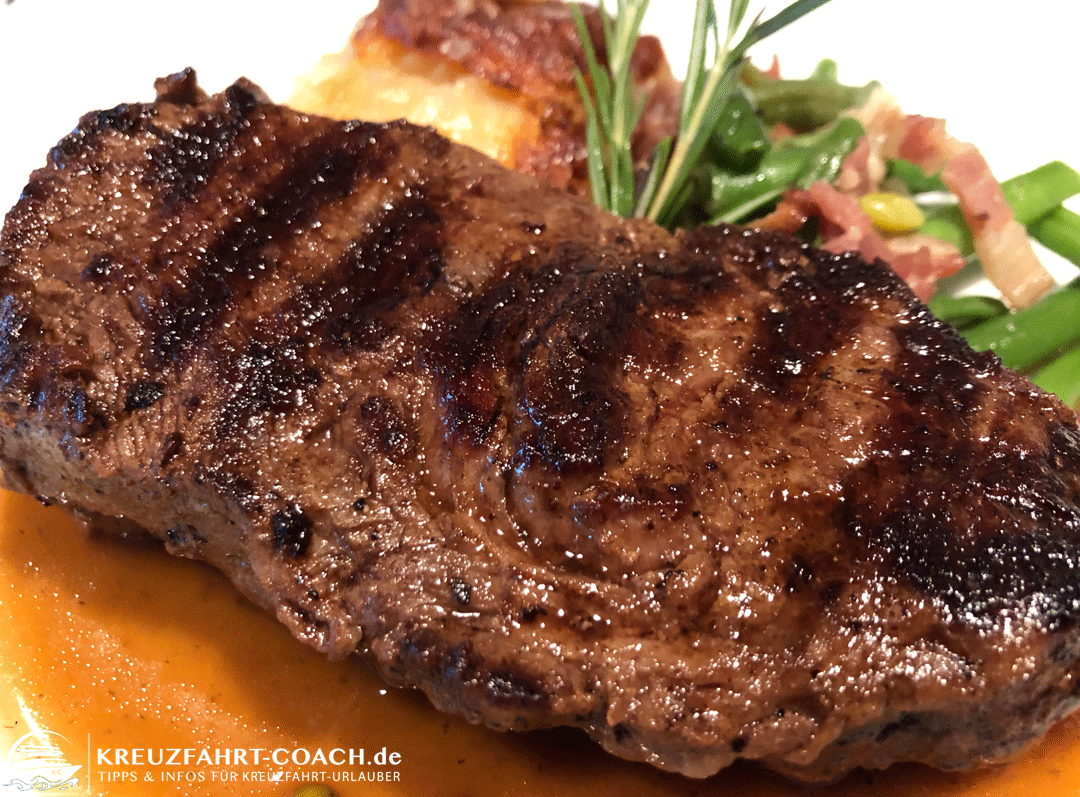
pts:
[706, 496]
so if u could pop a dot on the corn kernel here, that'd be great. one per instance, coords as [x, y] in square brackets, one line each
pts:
[892, 212]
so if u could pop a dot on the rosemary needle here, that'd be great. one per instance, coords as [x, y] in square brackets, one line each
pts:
[613, 110]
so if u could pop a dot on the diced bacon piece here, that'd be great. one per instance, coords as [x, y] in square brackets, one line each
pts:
[922, 260]
[855, 172]
[919, 140]
[919, 259]
[846, 221]
[788, 217]
[878, 116]
[781, 132]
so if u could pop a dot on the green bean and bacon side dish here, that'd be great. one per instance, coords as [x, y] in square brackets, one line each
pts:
[845, 168]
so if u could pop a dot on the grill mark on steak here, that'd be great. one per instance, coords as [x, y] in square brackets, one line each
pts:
[565, 373]
[383, 422]
[143, 394]
[920, 518]
[291, 531]
[103, 269]
[16, 352]
[549, 465]
[464, 354]
[401, 254]
[937, 366]
[569, 370]
[80, 412]
[320, 169]
[27, 228]
[230, 485]
[785, 351]
[344, 309]
[979, 573]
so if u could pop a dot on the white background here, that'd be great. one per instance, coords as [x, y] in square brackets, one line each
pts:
[1004, 74]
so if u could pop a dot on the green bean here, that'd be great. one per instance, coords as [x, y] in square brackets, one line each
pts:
[740, 139]
[796, 161]
[1034, 194]
[912, 177]
[946, 223]
[826, 69]
[805, 104]
[778, 169]
[1062, 377]
[1029, 337]
[964, 312]
[1059, 231]
[825, 149]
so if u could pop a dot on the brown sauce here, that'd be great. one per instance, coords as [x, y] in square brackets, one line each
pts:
[115, 645]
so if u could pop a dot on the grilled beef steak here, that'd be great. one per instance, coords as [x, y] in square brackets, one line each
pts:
[706, 496]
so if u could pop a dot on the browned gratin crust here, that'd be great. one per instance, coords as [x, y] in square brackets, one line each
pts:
[532, 50]
[705, 496]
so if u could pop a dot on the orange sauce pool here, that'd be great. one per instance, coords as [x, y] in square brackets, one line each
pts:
[114, 646]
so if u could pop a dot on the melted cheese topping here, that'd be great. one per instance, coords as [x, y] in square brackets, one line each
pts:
[114, 645]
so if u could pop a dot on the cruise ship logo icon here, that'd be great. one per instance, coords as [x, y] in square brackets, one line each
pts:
[37, 763]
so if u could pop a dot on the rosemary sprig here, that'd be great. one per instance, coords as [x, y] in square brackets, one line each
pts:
[613, 110]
